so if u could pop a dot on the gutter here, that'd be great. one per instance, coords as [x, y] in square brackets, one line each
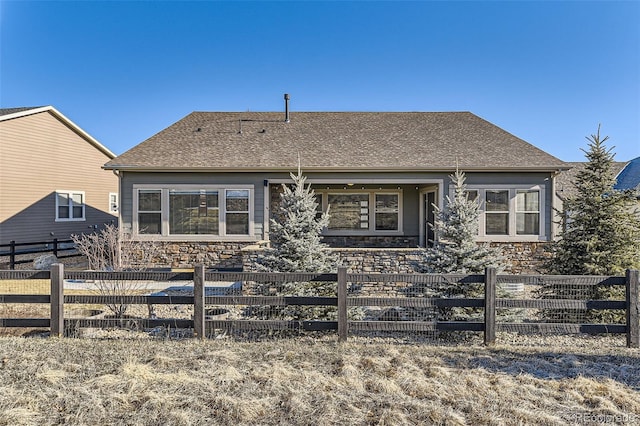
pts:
[550, 169]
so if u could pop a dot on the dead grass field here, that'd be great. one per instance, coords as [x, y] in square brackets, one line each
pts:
[317, 381]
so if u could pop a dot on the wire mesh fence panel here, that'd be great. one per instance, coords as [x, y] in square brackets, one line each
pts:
[145, 302]
[549, 306]
[408, 308]
[24, 298]
[270, 307]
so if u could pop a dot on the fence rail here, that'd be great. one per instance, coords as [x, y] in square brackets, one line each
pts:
[200, 323]
[52, 246]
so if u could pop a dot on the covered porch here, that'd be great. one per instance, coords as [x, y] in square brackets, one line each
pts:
[371, 212]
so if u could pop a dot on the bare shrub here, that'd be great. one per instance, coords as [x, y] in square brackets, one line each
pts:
[115, 251]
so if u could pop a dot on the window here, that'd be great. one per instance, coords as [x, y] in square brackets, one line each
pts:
[69, 205]
[497, 212]
[237, 211]
[362, 212]
[348, 211]
[528, 212]
[113, 202]
[510, 212]
[193, 213]
[387, 209]
[149, 211]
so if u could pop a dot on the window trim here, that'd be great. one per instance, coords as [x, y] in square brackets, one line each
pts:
[513, 190]
[223, 224]
[370, 231]
[181, 191]
[525, 211]
[164, 200]
[117, 203]
[71, 218]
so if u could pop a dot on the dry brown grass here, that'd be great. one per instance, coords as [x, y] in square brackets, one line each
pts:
[307, 380]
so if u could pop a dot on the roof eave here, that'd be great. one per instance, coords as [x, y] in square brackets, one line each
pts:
[64, 119]
[162, 169]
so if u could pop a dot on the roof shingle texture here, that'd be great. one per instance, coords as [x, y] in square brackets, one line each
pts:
[7, 111]
[334, 140]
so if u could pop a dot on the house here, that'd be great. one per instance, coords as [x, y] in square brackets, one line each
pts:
[629, 177]
[52, 183]
[204, 188]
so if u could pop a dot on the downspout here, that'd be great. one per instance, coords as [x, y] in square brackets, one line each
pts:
[554, 199]
[120, 233]
[267, 205]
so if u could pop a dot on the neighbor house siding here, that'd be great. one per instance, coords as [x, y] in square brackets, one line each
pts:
[39, 154]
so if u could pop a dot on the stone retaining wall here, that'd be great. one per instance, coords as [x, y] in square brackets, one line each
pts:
[523, 258]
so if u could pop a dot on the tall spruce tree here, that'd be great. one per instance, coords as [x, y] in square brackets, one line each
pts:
[296, 246]
[601, 231]
[295, 235]
[455, 248]
[600, 236]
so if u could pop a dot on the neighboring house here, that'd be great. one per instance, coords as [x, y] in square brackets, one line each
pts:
[208, 183]
[51, 181]
[629, 177]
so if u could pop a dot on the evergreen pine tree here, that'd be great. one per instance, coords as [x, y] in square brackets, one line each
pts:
[601, 236]
[296, 246]
[455, 249]
[601, 231]
[295, 236]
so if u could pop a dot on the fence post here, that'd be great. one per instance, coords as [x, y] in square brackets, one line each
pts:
[633, 308]
[343, 324]
[55, 247]
[198, 302]
[57, 300]
[489, 306]
[12, 254]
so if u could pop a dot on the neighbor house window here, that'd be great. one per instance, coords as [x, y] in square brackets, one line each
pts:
[70, 205]
[187, 212]
[113, 202]
[149, 211]
[193, 212]
[510, 212]
[367, 212]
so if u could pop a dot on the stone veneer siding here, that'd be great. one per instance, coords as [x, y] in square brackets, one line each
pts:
[523, 258]
[214, 255]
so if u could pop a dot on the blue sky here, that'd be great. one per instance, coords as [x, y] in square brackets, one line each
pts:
[547, 71]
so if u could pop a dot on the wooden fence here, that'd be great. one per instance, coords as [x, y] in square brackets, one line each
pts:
[200, 324]
[54, 246]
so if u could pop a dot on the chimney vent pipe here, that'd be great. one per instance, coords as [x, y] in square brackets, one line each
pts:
[287, 119]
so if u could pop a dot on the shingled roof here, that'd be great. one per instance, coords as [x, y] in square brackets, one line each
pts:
[8, 111]
[358, 141]
[565, 182]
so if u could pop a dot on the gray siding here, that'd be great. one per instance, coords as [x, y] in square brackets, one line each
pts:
[322, 181]
[166, 179]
